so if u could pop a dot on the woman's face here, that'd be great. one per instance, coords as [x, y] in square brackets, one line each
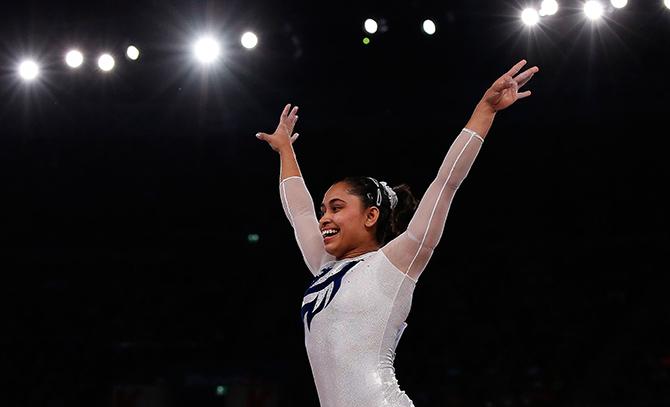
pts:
[346, 226]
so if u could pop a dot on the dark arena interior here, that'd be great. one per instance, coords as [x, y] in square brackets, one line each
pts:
[146, 258]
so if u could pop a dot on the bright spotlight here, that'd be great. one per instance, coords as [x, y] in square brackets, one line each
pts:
[667, 3]
[106, 62]
[74, 59]
[429, 27]
[28, 70]
[370, 26]
[207, 50]
[530, 16]
[249, 40]
[593, 9]
[548, 7]
[132, 53]
[619, 3]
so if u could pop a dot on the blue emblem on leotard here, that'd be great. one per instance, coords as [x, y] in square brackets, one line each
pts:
[325, 290]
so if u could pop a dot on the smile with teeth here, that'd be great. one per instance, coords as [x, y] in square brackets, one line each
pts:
[329, 232]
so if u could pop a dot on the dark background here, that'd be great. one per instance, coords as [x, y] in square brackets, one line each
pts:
[128, 200]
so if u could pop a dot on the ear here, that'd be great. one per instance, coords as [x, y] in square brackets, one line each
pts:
[371, 216]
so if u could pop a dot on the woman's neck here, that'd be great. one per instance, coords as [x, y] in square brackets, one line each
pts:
[359, 251]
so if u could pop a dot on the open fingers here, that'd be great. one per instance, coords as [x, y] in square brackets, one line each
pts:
[284, 112]
[522, 95]
[289, 115]
[503, 83]
[525, 76]
[516, 68]
[293, 115]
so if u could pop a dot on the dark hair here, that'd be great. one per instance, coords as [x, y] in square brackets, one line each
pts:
[392, 222]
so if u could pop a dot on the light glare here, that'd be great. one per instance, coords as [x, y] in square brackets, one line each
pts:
[370, 26]
[249, 40]
[28, 70]
[106, 62]
[619, 3]
[667, 3]
[593, 9]
[74, 59]
[549, 7]
[132, 53]
[207, 50]
[530, 16]
[429, 27]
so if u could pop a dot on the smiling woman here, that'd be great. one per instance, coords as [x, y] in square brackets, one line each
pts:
[383, 211]
[366, 259]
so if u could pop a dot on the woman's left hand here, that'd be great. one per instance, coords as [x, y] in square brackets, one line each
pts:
[505, 90]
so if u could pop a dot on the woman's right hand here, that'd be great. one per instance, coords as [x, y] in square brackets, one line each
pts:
[283, 135]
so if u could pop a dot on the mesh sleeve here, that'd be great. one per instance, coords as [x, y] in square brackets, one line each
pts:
[299, 209]
[411, 250]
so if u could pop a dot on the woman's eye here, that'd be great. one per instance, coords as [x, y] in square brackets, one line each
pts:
[333, 209]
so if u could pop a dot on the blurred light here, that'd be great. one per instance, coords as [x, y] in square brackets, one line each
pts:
[429, 27]
[106, 62]
[221, 390]
[74, 59]
[28, 70]
[249, 40]
[366, 40]
[132, 53]
[207, 50]
[530, 16]
[548, 8]
[370, 26]
[253, 238]
[619, 3]
[667, 3]
[593, 9]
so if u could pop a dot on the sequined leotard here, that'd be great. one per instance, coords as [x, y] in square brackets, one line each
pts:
[354, 310]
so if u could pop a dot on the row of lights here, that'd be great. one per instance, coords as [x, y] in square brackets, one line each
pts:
[206, 50]
[29, 69]
[371, 26]
[593, 9]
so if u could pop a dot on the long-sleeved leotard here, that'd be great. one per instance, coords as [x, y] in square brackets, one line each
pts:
[354, 310]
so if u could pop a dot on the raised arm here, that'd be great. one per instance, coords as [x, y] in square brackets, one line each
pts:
[411, 251]
[295, 198]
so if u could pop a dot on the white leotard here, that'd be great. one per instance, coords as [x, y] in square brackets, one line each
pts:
[354, 310]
